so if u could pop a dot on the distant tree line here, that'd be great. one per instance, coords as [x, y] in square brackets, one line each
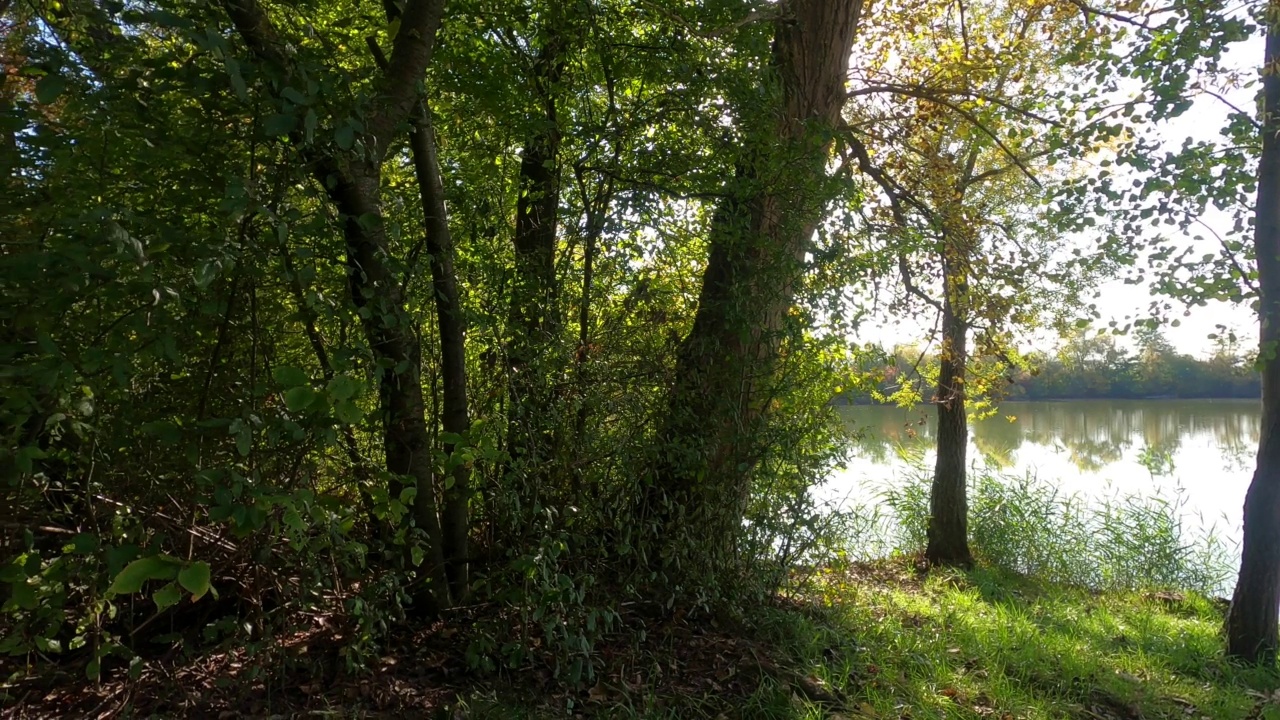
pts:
[1085, 367]
[1113, 371]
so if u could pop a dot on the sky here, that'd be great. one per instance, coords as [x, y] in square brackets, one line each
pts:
[1117, 300]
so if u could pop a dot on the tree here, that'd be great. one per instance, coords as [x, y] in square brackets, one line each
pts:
[352, 178]
[960, 148]
[758, 236]
[1252, 622]
[535, 316]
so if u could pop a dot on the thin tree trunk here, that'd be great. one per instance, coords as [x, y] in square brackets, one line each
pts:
[584, 323]
[534, 319]
[398, 357]
[353, 183]
[455, 417]
[1252, 633]
[759, 233]
[948, 528]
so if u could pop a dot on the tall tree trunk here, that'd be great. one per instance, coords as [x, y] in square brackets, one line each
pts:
[455, 417]
[534, 319]
[1252, 621]
[948, 528]
[397, 352]
[758, 236]
[596, 206]
[354, 185]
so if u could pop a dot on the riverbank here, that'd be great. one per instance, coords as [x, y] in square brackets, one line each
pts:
[873, 641]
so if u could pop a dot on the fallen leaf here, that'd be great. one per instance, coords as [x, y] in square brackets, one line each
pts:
[598, 693]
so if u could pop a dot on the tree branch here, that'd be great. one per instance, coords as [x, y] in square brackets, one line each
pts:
[397, 92]
[896, 197]
[1086, 9]
[973, 120]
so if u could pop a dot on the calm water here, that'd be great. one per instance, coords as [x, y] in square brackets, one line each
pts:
[1201, 448]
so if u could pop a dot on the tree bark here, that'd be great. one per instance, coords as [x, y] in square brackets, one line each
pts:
[534, 318]
[455, 417]
[758, 236]
[1252, 633]
[948, 529]
[397, 353]
[353, 183]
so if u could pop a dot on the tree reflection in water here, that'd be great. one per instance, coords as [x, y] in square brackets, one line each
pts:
[1202, 450]
[1092, 434]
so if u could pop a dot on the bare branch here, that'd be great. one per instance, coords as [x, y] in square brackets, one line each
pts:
[1086, 9]
[1236, 108]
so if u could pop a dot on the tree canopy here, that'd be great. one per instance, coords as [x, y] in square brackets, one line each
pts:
[392, 309]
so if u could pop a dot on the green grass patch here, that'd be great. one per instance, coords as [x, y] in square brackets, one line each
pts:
[992, 644]
[884, 643]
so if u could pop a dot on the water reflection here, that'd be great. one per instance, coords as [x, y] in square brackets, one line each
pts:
[1201, 449]
[1092, 433]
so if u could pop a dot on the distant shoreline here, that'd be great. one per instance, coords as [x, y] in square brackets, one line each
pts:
[868, 402]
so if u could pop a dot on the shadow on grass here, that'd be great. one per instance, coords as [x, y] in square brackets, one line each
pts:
[986, 644]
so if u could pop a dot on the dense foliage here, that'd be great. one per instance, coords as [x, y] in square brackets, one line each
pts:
[382, 311]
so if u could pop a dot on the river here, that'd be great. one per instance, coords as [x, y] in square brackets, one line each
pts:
[1202, 450]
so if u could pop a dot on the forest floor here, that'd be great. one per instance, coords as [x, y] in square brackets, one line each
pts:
[880, 641]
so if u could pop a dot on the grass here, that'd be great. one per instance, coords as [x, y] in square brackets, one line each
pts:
[882, 643]
[1025, 525]
[986, 643]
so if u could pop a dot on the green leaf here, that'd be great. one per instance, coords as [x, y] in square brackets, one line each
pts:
[48, 645]
[309, 123]
[348, 412]
[294, 96]
[345, 137]
[290, 376]
[279, 124]
[24, 596]
[12, 572]
[299, 398]
[84, 543]
[195, 578]
[206, 273]
[49, 88]
[167, 596]
[25, 457]
[93, 669]
[343, 387]
[137, 573]
[237, 80]
[244, 441]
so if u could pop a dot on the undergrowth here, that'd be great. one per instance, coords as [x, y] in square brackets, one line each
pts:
[1024, 524]
[1095, 611]
[881, 641]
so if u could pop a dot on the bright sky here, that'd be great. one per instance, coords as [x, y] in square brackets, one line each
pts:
[1117, 300]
